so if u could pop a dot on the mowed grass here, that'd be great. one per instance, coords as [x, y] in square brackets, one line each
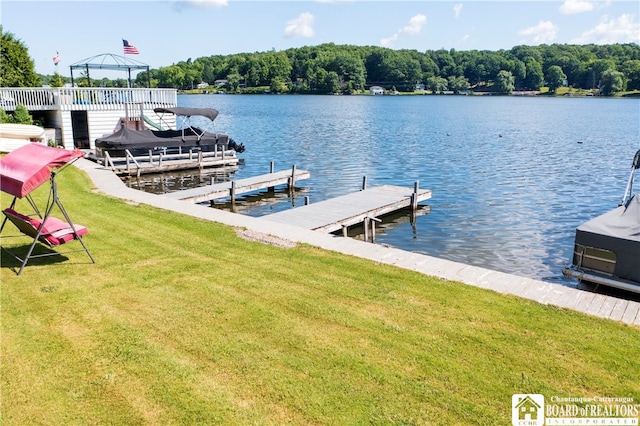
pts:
[181, 322]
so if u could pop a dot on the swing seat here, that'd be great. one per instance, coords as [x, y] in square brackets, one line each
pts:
[53, 231]
[21, 172]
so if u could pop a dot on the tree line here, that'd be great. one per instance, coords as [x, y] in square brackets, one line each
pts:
[330, 68]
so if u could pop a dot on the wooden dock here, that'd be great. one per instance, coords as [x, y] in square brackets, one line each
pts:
[352, 209]
[240, 186]
[160, 163]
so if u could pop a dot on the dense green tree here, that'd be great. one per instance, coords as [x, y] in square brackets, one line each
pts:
[18, 69]
[233, 81]
[171, 76]
[21, 115]
[4, 117]
[458, 84]
[555, 77]
[330, 83]
[631, 70]
[278, 86]
[504, 82]
[611, 81]
[534, 78]
[598, 68]
[437, 84]
[56, 81]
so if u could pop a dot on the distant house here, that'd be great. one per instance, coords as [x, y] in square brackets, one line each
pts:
[376, 90]
[203, 85]
[419, 86]
[220, 83]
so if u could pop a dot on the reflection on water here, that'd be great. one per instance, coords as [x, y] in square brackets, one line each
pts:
[162, 183]
[511, 177]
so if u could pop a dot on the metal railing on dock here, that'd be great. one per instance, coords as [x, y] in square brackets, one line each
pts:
[131, 165]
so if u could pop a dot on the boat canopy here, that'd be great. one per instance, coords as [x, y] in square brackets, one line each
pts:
[129, 138]
[209, 113]
[28, 167]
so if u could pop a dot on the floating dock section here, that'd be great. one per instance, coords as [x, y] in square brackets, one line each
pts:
[240, 186]
[341, 212]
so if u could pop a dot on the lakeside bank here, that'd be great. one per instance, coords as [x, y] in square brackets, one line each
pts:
[599, 305]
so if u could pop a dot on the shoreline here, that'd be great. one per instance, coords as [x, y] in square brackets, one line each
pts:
[599, 305]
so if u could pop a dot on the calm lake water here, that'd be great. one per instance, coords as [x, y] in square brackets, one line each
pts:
[511, 177]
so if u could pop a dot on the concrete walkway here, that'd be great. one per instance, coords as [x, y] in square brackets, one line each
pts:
[594, 304]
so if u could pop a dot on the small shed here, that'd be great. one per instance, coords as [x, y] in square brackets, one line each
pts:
[376, 90]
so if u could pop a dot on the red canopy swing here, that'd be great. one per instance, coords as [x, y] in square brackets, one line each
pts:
[21, 172]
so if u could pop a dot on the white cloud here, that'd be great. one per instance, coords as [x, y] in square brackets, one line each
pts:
[302, 26]
[571, 7]
[544, 32]
[612, 30]
[464, 39]
[414, 27]
[457, 9]
[388, 42]
[199, 4]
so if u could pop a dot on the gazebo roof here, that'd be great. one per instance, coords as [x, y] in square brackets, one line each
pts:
[109, 61]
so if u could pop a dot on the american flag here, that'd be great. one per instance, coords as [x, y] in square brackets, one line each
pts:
[56, 59]
[129, 48]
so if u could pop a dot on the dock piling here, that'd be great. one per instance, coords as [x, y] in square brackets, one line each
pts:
[414, 196]
[364, 183]
[233, 192]
[271, 171]
[292, 179]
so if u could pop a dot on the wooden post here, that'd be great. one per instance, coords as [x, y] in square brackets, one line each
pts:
[365, 224]
[364, 183]
[271, 167]
[414, 196]
[306, 200]
[372, 221]
[292, 181]
[373, 230]
[344, 231]
[150, 158]
[233, 192]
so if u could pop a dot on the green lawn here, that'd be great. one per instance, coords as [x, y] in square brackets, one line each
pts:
[181, 322]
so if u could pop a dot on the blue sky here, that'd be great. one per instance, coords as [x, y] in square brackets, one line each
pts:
[166, 32]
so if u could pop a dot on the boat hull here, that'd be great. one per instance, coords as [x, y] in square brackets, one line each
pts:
[607, 248]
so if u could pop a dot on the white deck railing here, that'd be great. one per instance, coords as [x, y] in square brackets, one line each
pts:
[84, 99]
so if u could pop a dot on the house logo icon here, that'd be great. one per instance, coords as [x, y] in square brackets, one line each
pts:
[527, 410]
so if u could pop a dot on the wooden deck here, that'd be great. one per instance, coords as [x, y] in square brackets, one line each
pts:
[240, 186]
[351, 209]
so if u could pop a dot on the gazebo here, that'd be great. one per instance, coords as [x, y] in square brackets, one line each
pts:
[109, 61]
